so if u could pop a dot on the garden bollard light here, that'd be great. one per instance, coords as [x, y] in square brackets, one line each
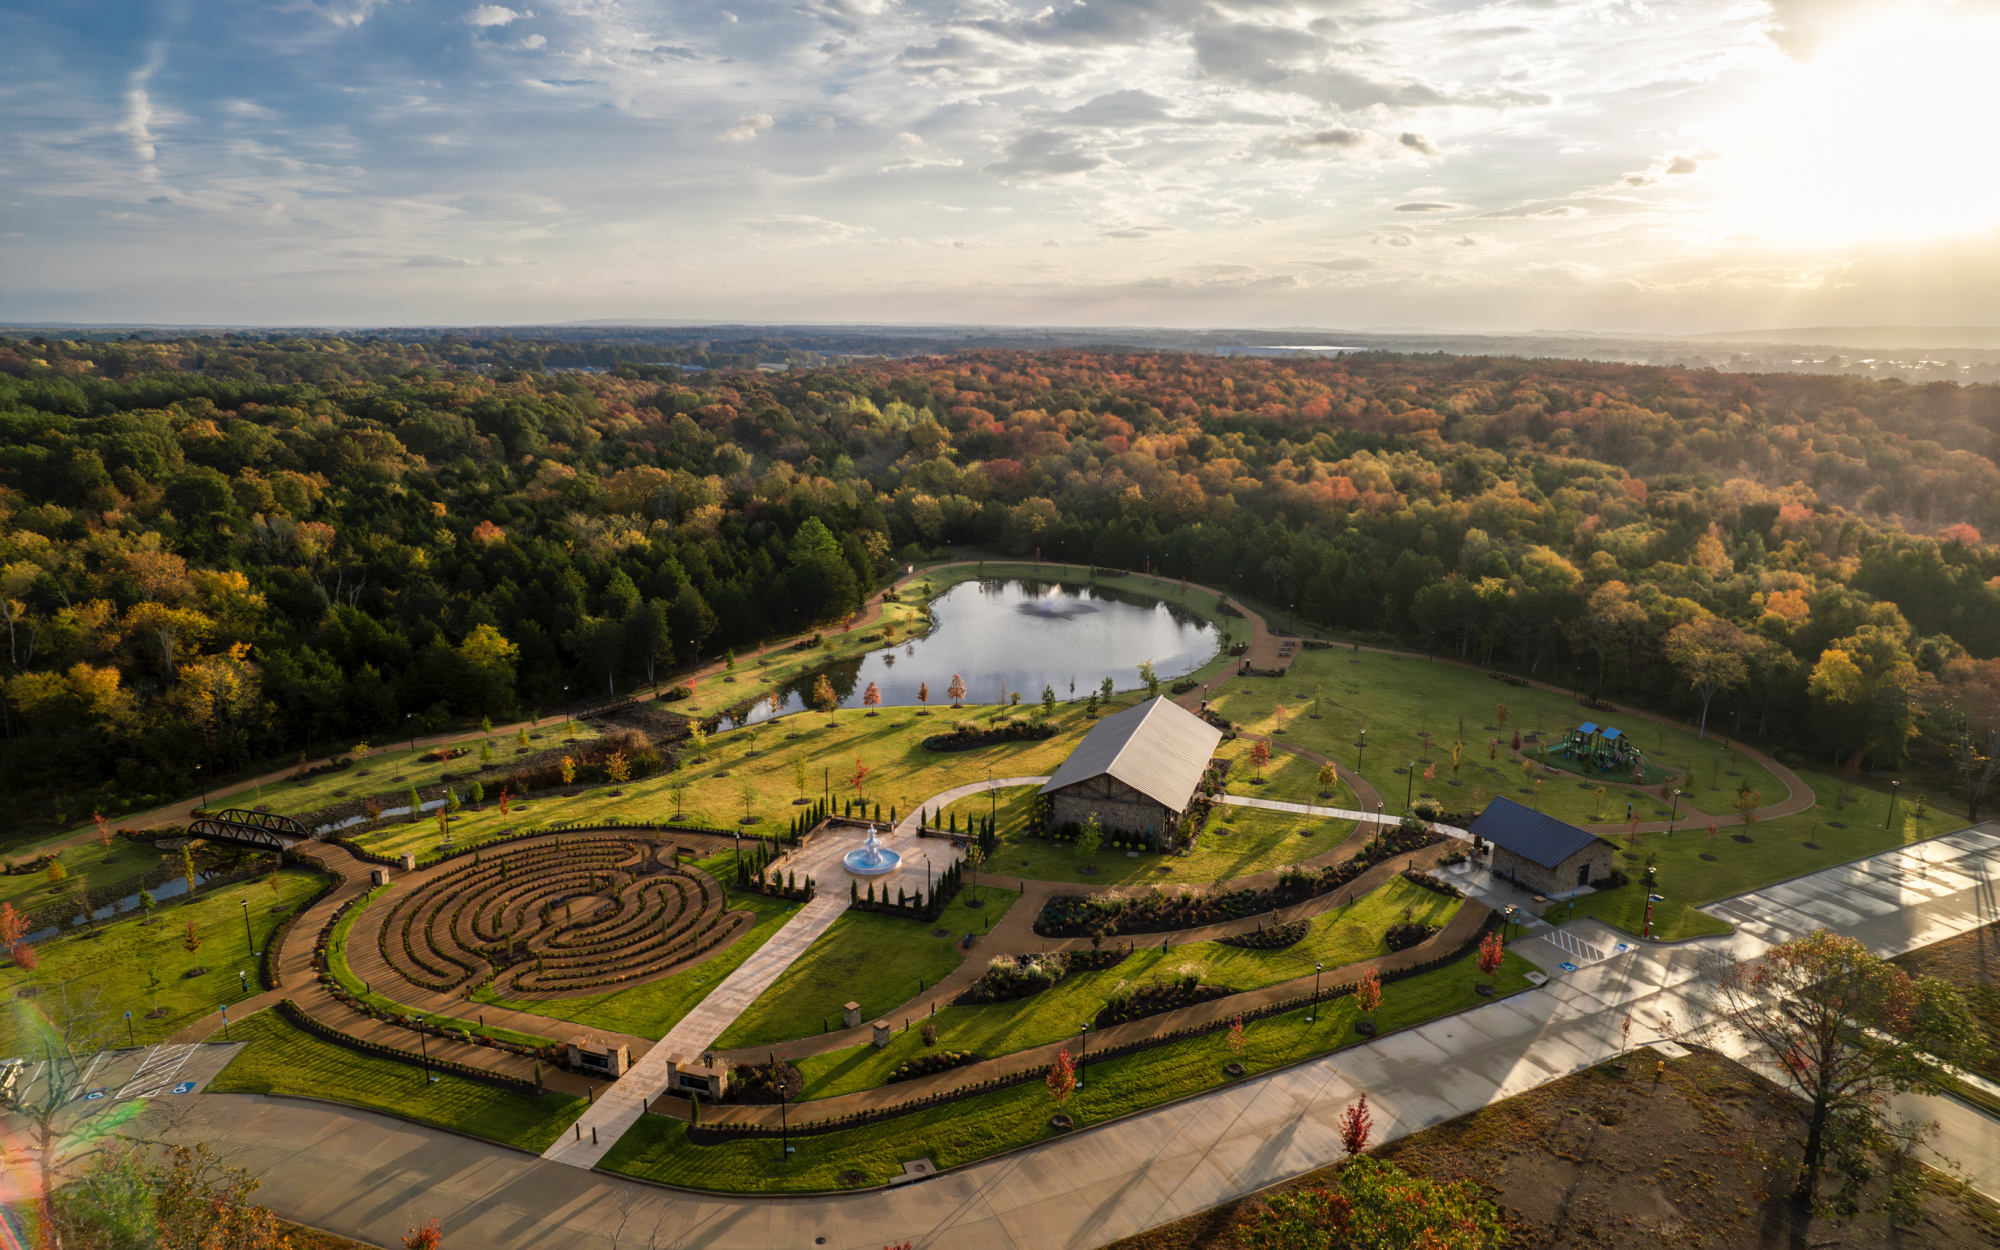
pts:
[593, 1134]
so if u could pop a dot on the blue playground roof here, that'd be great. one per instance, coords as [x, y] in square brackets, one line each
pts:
[1610, 734]
[1586, 727]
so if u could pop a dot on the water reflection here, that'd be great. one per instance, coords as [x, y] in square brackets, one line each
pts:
[1007, 635]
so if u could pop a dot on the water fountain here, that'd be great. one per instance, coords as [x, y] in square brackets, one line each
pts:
[871, 858]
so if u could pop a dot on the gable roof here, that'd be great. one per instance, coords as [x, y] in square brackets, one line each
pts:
[1158, 748]
[1540, 839]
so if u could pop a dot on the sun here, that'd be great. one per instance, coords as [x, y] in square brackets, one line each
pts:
[1885, 135]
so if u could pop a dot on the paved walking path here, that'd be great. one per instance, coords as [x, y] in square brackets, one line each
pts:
[619, 1107]
[369, 1176]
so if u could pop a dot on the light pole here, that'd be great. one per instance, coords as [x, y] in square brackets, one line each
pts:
[1360, 749]
[410, 723]
[1083, 1059]
[1315, 1008]
[248, 940]
[203, 783]
[1893, 787]
[1380, 818]
[1409, 782]
[1674, 803]
[784, 1122]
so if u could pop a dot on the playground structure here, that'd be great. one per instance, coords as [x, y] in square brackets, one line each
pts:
[1604, 750]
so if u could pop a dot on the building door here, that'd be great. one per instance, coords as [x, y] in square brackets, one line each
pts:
[1583, 874]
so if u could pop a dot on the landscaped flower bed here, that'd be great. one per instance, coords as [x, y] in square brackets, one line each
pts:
[965, 738]
[1008, 977]
[1156, 996]
[926, 1065]
[764, 1083]
[1402, 937]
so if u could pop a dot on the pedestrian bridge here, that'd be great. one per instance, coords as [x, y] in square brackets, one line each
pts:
[264, 831]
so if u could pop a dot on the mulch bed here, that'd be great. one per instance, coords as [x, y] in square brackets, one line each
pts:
[1604, 1159]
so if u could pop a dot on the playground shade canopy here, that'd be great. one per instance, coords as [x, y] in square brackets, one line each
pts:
[1528, 833]
[1610, 734]
[1587, 727]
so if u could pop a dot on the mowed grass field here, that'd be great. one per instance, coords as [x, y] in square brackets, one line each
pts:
[129, 965]
[282, 1059]
[1238, 842]
[1397, 699]
[755, 771]
[1344, 936]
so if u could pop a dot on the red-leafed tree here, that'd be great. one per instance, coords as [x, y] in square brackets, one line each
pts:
[1355, 1126]
[861, 772]
[103, 830]
[428, 1236]
[871, 697]
[956, 689]
[1491, 954]
[1236, 1038]
[924, 693]
[1062, 1077]
[1368, 991]
[1260, 756]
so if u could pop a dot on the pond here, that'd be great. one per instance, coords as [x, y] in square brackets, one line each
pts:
[1006, 635]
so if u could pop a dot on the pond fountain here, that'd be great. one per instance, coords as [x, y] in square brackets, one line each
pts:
[871, 858]
[1014, 636]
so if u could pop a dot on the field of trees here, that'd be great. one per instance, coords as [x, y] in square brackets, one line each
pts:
[230, 550]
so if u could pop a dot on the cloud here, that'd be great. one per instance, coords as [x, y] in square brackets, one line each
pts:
[1394, 240]
[1041, 155]
[1529, 210]
[1682, 165]
[747, 128]
[803, 229]
[1417, 143]
[434, 260]
[1120, 109]
[1351, 264]
[1339, 137]
[494, 15]
[1425, 206]
[1140, 232]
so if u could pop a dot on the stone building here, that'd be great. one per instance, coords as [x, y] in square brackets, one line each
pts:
[1546, 855]
[1137, 770]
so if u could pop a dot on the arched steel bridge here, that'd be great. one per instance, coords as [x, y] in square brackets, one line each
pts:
[266, 831]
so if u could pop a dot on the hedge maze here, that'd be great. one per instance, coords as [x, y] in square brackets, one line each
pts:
[557, 918]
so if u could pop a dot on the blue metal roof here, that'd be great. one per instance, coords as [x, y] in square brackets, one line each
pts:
[1541, 839]
[1609, 734]
[1586, 727]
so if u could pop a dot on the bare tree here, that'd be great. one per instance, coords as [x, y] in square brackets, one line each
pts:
[65, 1023]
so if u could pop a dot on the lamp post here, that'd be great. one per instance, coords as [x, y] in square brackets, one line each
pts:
[784, 1122]
[248, 940]
[1083, 1058]
[203, 783]
[1890, 818]
[410, 723]
[1409, 782]
[423, 1040]
[1360, 749]
[1674, 804]
[1317, 967]
[1380, 818]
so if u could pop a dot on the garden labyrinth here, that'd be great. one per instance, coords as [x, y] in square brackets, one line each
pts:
[562, 917]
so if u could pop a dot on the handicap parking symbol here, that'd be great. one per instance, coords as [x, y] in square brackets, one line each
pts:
[93, 1096]
[185, 1087]
[1567, 966]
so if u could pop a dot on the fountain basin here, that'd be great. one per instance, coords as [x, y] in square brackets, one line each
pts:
[871, 858]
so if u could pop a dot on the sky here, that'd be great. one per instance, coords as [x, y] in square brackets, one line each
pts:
[1653, 166]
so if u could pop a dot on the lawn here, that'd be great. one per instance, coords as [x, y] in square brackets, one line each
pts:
[336, 960]
[87, 861]
[651, 1009]
[1971, 962]
[1777, 850]
[1288, 778]
[877, 961]
[763, 759]
[281, 1059]
[1239, 841]
[1398, 698]
[115, 965]
[960, 1132]
[1344, 936]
